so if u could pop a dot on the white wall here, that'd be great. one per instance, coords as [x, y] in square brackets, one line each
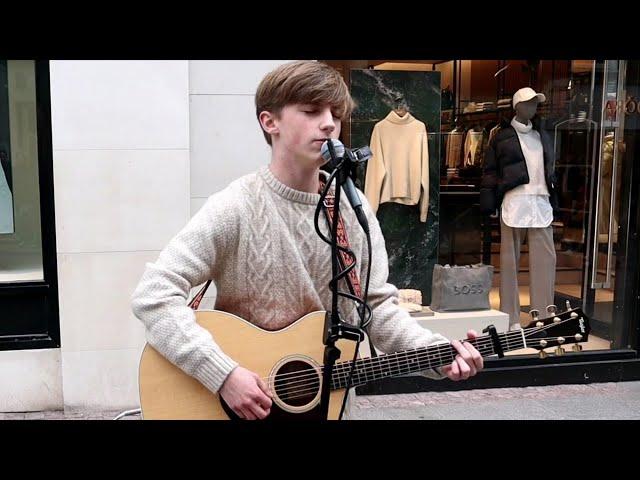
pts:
[121, 180]
[30, 380]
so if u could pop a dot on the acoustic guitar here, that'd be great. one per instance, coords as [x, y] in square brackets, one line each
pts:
[290, 362]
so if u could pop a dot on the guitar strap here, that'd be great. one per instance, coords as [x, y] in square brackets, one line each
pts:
[353, 282]
[195, 302]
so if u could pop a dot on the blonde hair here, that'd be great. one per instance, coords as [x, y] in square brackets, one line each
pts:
[304, 82]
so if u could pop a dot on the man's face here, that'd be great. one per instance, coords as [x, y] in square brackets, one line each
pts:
[302, 128]
[527, 109]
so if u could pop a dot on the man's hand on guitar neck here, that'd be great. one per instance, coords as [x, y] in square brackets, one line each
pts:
[246, 394]
[467, 363]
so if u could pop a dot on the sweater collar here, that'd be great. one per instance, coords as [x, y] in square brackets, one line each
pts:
[287, 192]
[520, 128]
[393, 117]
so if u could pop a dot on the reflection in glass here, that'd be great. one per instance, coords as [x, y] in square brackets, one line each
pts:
[20, 226]
[6, 188]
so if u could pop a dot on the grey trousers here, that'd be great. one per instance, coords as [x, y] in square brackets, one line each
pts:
[542, 269]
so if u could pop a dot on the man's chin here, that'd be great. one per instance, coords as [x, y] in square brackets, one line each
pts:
[316, 160]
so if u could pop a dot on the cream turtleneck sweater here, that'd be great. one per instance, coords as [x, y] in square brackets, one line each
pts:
[398, 171]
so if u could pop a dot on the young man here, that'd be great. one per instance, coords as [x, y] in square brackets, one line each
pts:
[256, 240]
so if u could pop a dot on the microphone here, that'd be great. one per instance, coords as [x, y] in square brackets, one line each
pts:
[338, 148]
[349, 188]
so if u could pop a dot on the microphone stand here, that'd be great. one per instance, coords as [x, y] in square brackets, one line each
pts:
[334, 327]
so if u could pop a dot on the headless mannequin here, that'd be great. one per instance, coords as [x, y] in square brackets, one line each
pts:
[537, 229]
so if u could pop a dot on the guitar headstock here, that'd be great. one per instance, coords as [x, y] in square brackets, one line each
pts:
[570, 326]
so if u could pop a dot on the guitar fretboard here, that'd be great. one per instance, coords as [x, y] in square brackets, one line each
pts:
[416, 360]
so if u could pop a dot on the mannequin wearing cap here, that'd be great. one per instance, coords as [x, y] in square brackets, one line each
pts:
[518, 182]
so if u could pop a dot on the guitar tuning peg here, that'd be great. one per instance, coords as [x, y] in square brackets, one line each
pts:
[534, 314]
[552, 309]
[542, 353]
[559, 350]
[568, 304]
[576, 346]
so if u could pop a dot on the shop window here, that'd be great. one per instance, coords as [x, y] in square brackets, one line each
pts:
[20, 216]
[28, 269]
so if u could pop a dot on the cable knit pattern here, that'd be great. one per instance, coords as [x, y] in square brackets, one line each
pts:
[256, 240]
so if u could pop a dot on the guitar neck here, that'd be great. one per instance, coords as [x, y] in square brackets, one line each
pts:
[418, 359]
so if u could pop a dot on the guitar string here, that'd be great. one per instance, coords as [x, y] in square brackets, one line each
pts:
[437, 349]
[302, 390]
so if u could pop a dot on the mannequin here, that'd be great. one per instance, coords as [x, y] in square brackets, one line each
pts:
[518, 183]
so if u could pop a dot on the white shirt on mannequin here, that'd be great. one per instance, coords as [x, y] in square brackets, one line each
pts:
[527, 206]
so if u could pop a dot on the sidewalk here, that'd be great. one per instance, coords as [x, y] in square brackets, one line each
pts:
[596, 401]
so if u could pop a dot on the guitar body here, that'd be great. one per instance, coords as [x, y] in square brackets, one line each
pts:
[295, 354]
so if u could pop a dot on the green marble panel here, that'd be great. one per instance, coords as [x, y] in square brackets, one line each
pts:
[412, 246]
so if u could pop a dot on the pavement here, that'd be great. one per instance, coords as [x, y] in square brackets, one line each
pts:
[595, 401]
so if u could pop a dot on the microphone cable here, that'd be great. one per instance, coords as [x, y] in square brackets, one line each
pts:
[363, 307]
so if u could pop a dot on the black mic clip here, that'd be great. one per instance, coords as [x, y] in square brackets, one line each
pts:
[334, 332]
[361, 154]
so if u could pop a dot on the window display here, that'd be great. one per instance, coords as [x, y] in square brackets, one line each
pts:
[20, 225]
[398, 116]
[525, 177]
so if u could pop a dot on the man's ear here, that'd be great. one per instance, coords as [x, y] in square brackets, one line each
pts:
[268, 122]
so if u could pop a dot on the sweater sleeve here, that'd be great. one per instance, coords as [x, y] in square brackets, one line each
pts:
[375, 170]
[160, 299]
[424, 177]
[392, 329]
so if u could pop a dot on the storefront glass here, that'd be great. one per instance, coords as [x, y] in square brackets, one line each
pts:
[547, 254]
[20, 226]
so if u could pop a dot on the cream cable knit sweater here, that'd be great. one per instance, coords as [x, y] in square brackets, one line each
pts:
[256, 240]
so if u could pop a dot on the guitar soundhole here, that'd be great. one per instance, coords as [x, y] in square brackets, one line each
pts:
[297, 383]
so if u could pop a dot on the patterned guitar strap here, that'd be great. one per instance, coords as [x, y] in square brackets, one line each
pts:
[195, 302]
[353, 282]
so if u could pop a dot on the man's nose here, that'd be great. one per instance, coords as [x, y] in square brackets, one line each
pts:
[328, 123]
